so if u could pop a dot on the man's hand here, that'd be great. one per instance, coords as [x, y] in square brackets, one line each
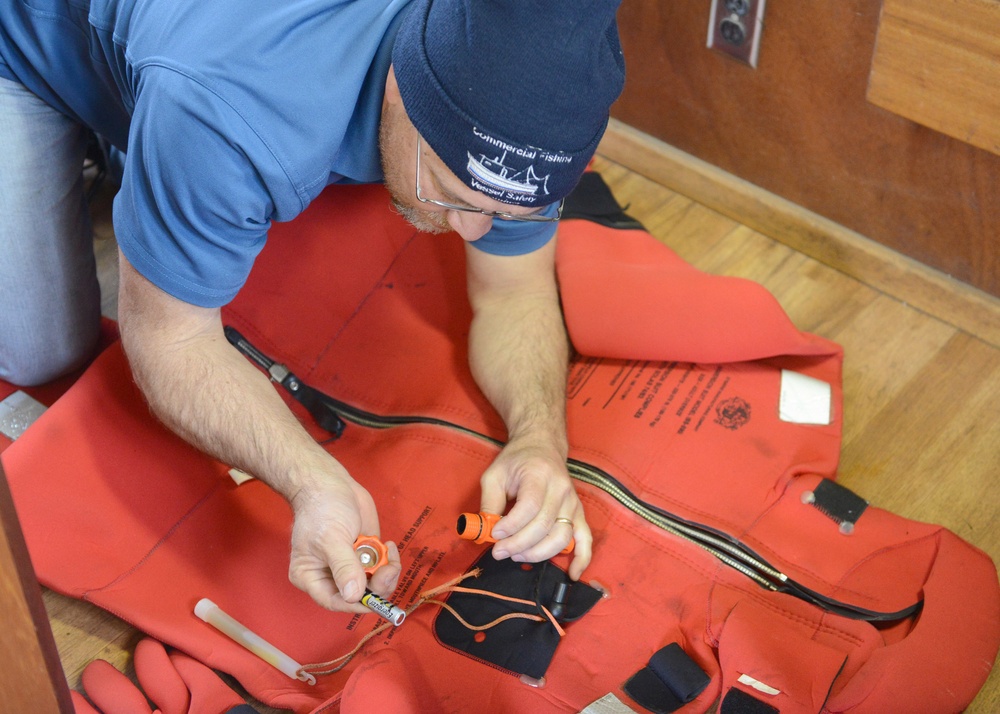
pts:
[328, 519]
[518, 353]
[537, 478]
[207, 393]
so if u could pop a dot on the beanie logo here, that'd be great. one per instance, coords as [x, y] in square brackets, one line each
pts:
[491, 174]
[502, 178]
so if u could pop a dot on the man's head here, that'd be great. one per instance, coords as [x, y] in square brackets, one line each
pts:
[510, 96]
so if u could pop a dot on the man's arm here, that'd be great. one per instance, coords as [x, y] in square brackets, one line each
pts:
[518, 353]
[206, 392]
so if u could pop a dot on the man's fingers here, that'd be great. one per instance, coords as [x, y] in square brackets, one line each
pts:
[324, 562]
[563, 530]
[385, 579]
[531, 526]
[583, 549]
[494, 496]
[316, 582]
[547, 511]
[549, 546]
[526, 511]
[332, 577]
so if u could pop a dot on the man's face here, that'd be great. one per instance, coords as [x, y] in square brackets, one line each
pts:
[398, 151]
[398, 145]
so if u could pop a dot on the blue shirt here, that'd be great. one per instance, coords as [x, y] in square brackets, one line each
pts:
[232, 113]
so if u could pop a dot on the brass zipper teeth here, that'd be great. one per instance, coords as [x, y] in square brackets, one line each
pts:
[719, 547]
[724, 550]
[374, 421]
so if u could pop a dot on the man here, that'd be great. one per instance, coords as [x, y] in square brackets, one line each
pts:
[480, 116]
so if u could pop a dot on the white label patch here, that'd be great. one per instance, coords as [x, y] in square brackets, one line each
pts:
[608, 704]
[17, 413]
[804, 400]
[759, 686]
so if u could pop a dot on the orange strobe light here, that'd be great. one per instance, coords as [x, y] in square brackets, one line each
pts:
[371, 552]
[478, 527]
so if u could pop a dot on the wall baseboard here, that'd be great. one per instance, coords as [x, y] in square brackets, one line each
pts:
[924, 288]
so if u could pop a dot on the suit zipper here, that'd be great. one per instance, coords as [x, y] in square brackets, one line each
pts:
[723, 547]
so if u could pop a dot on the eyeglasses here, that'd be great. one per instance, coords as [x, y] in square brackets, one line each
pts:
[503, 215]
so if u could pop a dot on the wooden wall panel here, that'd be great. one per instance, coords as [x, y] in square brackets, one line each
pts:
[938, 63]
[800, 126]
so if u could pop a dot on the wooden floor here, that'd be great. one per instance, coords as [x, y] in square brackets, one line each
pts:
[921, 434]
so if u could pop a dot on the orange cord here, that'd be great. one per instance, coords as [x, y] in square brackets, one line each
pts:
[488, 625]
[428, 596]
[530, 603]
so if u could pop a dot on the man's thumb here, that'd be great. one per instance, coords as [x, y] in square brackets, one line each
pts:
[348, 574]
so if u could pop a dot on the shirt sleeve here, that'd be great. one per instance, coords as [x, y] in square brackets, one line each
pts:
[518, 237]
[196, 198]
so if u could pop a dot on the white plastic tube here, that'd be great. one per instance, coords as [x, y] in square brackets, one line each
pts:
[217, 618]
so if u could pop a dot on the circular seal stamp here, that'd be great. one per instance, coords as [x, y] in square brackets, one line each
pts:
[732, 413]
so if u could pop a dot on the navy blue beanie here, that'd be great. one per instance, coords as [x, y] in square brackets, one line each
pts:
[513, 95]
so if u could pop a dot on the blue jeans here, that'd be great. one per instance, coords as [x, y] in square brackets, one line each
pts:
[50, 302]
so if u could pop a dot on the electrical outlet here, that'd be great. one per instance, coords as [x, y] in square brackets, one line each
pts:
[735, 28]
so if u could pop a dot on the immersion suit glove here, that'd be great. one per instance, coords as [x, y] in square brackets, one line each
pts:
[175, 683]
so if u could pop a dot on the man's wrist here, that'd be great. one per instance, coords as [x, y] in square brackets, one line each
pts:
[541, 438]
[303, 483]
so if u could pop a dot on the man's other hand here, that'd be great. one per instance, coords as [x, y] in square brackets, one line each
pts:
[535, 476]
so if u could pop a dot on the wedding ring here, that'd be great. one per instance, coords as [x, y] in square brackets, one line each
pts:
[565, 520]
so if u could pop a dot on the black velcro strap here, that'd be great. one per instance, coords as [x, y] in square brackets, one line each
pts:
[322, 408]
[317, 404]
[668, 682]
[737, 701]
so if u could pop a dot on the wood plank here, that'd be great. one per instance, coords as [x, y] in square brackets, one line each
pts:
[31, 678]
[84, 633]
[897, 338]
[830, 243]
[938, 64]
